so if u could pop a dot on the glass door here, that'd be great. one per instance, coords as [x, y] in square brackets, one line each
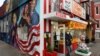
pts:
[61, 44]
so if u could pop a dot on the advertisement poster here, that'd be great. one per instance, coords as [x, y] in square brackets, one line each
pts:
[25, 28]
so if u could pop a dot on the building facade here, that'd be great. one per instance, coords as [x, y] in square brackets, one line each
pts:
[31, 29]
[88, 5]
[97, 17]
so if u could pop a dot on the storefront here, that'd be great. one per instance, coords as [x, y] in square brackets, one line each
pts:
[56, 26]
[78, 33]
[59, 19]
[31, 29]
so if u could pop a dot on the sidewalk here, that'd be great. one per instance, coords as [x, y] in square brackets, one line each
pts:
[94, 48]
[7, 50]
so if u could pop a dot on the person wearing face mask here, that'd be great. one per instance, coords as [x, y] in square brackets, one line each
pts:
[68, 43]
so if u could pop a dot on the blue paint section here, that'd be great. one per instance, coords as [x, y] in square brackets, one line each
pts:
[38, 7]
[20, 16]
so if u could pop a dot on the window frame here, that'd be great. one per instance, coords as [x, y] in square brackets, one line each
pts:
[97, 24]
[97, 10]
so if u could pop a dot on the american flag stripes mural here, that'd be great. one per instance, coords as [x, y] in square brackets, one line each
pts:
[26, 27]
[31, 45]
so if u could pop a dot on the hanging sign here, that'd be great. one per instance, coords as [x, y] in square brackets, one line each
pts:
[76, 25]
[78, 10]
[73, 7]
[66, 5]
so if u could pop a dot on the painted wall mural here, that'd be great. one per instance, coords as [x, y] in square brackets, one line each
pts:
[25, 26]
[28, 29]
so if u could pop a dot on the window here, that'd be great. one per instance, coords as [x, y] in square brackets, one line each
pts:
[97, 12]
[97, 26]
[82, 4]
[88, 10]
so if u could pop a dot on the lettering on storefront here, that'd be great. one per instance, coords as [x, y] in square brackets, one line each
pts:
[76, 9]
[60, 15]
[76, 25]
[73, 7]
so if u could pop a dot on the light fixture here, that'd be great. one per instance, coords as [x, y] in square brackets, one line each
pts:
[90, 23]
[1, 2]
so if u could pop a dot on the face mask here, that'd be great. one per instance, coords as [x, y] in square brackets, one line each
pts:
[67, 32]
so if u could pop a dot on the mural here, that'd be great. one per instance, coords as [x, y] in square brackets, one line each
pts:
[4, 21]
[25, 27]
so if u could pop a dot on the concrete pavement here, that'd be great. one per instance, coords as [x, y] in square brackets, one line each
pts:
[94, 48]
[7, 50]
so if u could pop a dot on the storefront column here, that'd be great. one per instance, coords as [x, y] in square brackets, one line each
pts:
[41, 28]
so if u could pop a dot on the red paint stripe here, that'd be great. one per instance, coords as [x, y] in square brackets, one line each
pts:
[33, 34]
[36, 53]
[32, 47]
[44, 25]
[19, 46]
[49, 6]
[35, 43]
[44, 6]
[24, 42]
[34, 27]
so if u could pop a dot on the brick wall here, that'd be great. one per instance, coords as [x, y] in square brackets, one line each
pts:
[2, 10]
[97, 16]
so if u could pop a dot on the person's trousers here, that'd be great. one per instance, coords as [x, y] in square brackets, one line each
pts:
[68, 50]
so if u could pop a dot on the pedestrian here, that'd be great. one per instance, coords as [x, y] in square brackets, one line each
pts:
[68, 43]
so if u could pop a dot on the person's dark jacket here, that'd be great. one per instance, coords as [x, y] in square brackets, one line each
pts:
[68, 39]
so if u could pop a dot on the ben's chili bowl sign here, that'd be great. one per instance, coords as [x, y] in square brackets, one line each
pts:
[73, 7]
[76, 9]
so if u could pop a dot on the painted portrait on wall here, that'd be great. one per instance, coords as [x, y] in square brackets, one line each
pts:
[28, 28]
